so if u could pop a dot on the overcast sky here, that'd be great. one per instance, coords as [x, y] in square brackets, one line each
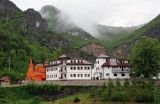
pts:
[108, 12]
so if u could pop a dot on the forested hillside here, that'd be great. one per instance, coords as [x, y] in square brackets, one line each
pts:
[123, 45]
[25, 35]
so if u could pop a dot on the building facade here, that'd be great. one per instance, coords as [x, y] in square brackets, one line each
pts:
[39, 74]
[5, 81]
[107, 68]
[69, 69]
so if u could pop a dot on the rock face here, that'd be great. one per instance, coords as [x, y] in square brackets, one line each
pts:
[35, 21]
[7, 9]
[94, 48]
[59, 21]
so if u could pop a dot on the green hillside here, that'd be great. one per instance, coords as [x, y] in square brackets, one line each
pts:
[25, 35]
[151, 29]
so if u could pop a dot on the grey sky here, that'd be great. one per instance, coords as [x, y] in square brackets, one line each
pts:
[107, 12]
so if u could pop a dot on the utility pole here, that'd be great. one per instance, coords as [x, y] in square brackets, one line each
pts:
[9, 63]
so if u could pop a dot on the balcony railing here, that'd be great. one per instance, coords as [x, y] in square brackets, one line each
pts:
[120, 70]
[63, 71]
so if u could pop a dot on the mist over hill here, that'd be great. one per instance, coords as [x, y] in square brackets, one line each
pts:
[59, 21]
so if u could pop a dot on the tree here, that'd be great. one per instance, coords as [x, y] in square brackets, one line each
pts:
[145, 57]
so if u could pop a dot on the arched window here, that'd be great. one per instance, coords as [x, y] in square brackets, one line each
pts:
[123, 74]
[115, 74]
[107, 74]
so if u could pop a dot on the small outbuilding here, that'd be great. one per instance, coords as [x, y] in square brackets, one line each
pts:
[5, 81]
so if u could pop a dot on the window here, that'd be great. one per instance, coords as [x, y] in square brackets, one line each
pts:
[74, 68]
[84, 68]
[65, 68]
[88, 75]
[81, 68]
[85, 75]
[108, 67]
[47, 76]
[81, 75]
[64, 75]
[123, 74]
[115, 74]
[71, 68]
[88, 68]
[52, 76]
[70, 75]
[78, 68]
[74, 75]
[107, 74]
[78, 75]
[98, 62]
[74, 61]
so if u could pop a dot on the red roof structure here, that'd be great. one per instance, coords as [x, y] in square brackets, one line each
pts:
[4, 78]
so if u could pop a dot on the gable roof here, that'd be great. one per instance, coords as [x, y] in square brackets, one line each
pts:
[103, 56]
[63, 56]
[4, 78]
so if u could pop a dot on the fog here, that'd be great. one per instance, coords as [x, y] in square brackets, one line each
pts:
[85, 13]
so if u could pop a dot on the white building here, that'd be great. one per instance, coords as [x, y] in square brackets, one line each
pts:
[106, 68]
[68, 69]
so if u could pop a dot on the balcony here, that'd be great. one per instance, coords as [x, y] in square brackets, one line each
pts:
[62, 71]
[120, 70]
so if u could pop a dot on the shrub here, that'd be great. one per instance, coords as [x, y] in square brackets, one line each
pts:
[126, 82]
[120, 96]
[156, 96]
[105, 96]
[76, 99]
[118, 82]
[93, 92]
[144, 96]
[133, 81]
[110, 84]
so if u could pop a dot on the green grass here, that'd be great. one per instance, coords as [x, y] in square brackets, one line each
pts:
[84, 99]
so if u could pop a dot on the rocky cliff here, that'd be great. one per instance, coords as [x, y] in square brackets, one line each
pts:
[94, 48]
[59, 21]
[7, 9]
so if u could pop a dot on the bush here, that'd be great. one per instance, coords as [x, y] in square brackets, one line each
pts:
[76, 99]
[156, 96]
[144, 96]
[126, 82]
[120, 96]
[93, 92]
[118, 82]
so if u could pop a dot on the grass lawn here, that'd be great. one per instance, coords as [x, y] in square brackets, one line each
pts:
[84, 99]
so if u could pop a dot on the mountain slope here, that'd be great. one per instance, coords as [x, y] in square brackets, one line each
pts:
[124, 44]
[111, 33]
[60, 22]
[25, 35]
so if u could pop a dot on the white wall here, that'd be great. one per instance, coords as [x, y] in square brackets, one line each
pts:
[85, 72]
[111, 74]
